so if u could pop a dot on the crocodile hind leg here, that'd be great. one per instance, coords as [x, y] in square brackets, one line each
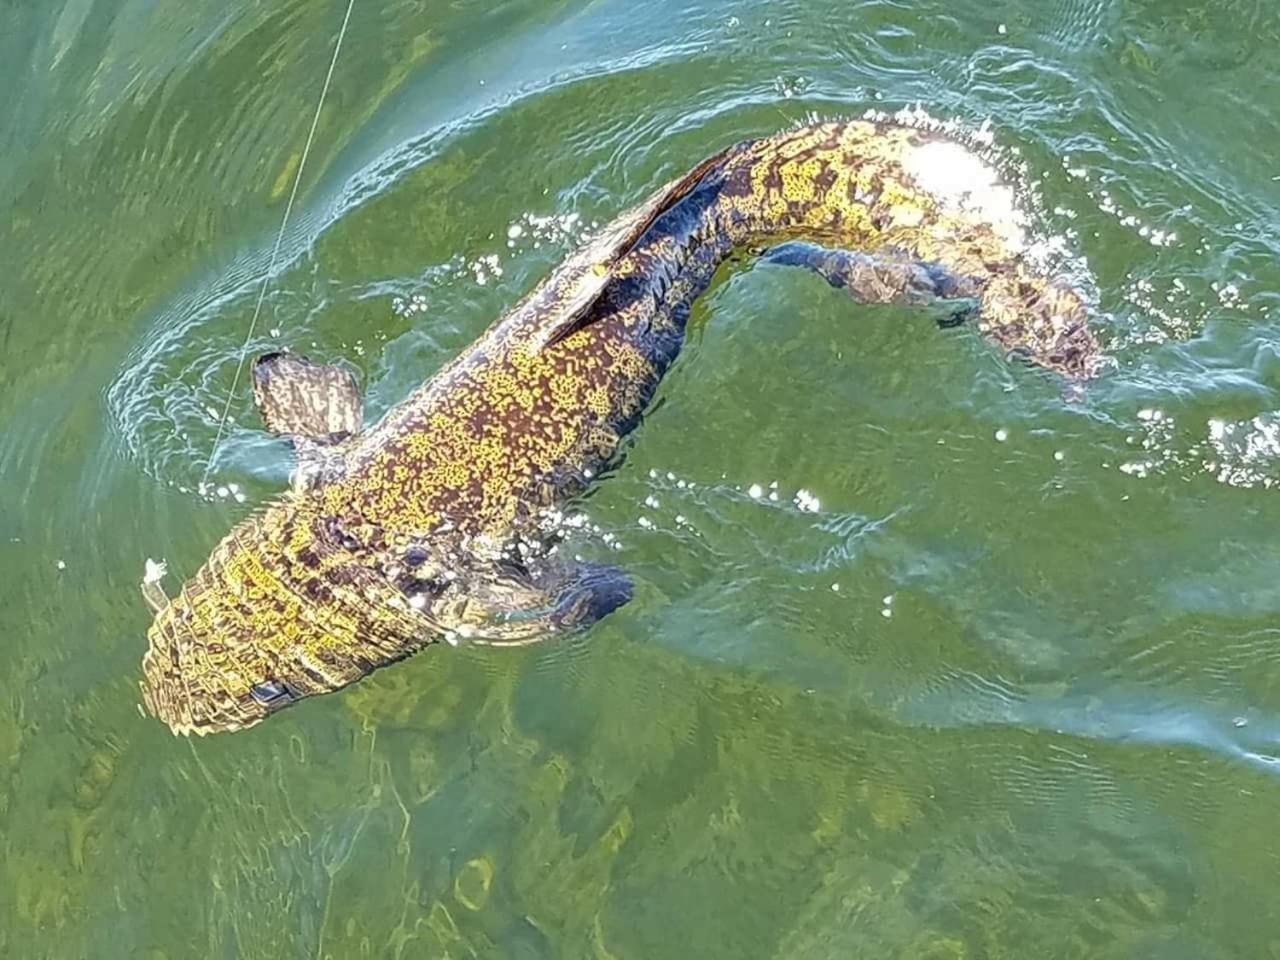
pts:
[885, 277]
[1039, 321]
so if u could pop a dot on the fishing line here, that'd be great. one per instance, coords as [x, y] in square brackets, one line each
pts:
[275, 253]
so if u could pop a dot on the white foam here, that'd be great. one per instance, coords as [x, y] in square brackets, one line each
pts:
[807, 502]
[962, 181]
[155, 571]
[1245, 452]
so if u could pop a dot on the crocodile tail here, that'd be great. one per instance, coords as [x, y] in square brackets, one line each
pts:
[872, 187]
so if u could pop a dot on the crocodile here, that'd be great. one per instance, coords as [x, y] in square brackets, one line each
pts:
[438, 523]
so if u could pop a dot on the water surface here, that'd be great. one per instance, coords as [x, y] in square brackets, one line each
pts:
[1003, 682]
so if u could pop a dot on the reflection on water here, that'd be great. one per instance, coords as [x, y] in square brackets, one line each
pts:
[923, 662]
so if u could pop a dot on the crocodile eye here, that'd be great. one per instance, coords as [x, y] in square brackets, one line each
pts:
[420, 591]
[515, 569]
[415, 555]
[272, 694]
[340, 536]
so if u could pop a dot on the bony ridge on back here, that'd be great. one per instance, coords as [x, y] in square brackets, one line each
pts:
[432, 524]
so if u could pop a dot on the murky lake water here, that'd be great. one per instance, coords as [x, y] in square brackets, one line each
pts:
[1012, 690]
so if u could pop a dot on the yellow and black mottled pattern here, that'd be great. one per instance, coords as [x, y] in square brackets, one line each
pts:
[408, 539]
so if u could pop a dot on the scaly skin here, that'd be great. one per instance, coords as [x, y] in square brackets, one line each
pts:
[405, 534]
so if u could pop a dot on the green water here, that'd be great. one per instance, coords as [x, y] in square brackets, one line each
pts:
[1059, 738]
